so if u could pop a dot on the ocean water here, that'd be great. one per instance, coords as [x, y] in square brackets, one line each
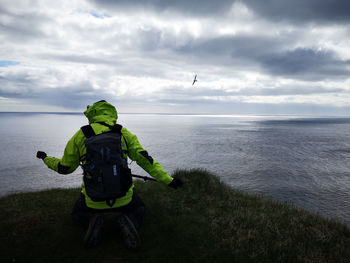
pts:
[304, 161]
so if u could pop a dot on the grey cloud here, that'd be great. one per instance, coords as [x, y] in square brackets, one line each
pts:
[149, 39]
[83, 59]
[247, 52]
[302, 10]
[183, 93]
[180, 92]
[167, 55]
[23, 86]
[306, 63]
[24, 26]
[17, 85]
[267, 55]
[287, 90]
[278, 10]
[238, 47]
[76, 96]
[193, 7]
[233, 52]
[79, 95]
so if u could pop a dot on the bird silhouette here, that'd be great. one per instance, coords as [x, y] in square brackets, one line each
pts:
[195, 79]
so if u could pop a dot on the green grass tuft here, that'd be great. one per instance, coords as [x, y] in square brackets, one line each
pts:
[204, 221]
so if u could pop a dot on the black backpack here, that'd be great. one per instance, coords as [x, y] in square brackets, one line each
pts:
[106, 173]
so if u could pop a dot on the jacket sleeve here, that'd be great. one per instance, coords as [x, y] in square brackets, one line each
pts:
[137, 153]
[70, 159]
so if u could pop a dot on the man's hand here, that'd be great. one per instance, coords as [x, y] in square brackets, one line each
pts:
[175, 183]
[41, 155]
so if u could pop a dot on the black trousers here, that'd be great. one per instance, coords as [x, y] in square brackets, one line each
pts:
[135, 210]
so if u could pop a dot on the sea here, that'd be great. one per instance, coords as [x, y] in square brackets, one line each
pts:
[301, 160]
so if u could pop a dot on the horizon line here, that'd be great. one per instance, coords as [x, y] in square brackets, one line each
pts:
[181, 114]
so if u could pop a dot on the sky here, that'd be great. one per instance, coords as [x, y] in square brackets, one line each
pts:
[250, 56]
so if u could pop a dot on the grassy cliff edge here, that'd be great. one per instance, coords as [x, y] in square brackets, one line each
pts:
[204, 221]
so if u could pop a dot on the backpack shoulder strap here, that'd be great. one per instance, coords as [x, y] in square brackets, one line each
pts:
[115, 128]
[88, 131]
[118, 128]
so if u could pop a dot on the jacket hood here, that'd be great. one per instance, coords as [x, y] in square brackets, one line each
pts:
[102, 112]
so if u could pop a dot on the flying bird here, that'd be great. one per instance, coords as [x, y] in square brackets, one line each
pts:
[195, 79]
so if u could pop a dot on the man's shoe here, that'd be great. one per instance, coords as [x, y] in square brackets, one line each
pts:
[93, 234]
[130, 236]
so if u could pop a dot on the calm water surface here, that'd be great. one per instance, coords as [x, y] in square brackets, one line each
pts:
[303, 161]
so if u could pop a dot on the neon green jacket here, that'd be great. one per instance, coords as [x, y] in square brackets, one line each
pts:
[75, 149]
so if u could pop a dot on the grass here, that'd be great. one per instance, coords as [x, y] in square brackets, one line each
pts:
[204, 221]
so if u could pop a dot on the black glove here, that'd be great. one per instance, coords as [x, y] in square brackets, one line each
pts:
[41, 155]
[175, 183]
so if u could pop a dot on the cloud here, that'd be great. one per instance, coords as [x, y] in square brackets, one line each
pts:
[306, 63]
[268, 54]
[77, 58]
[26, 85]
[277, 10]
[287, 90]
[185, 7]
[298, 11]
[144, 54]
[183, 93]
[20, 26]
[72, 97]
